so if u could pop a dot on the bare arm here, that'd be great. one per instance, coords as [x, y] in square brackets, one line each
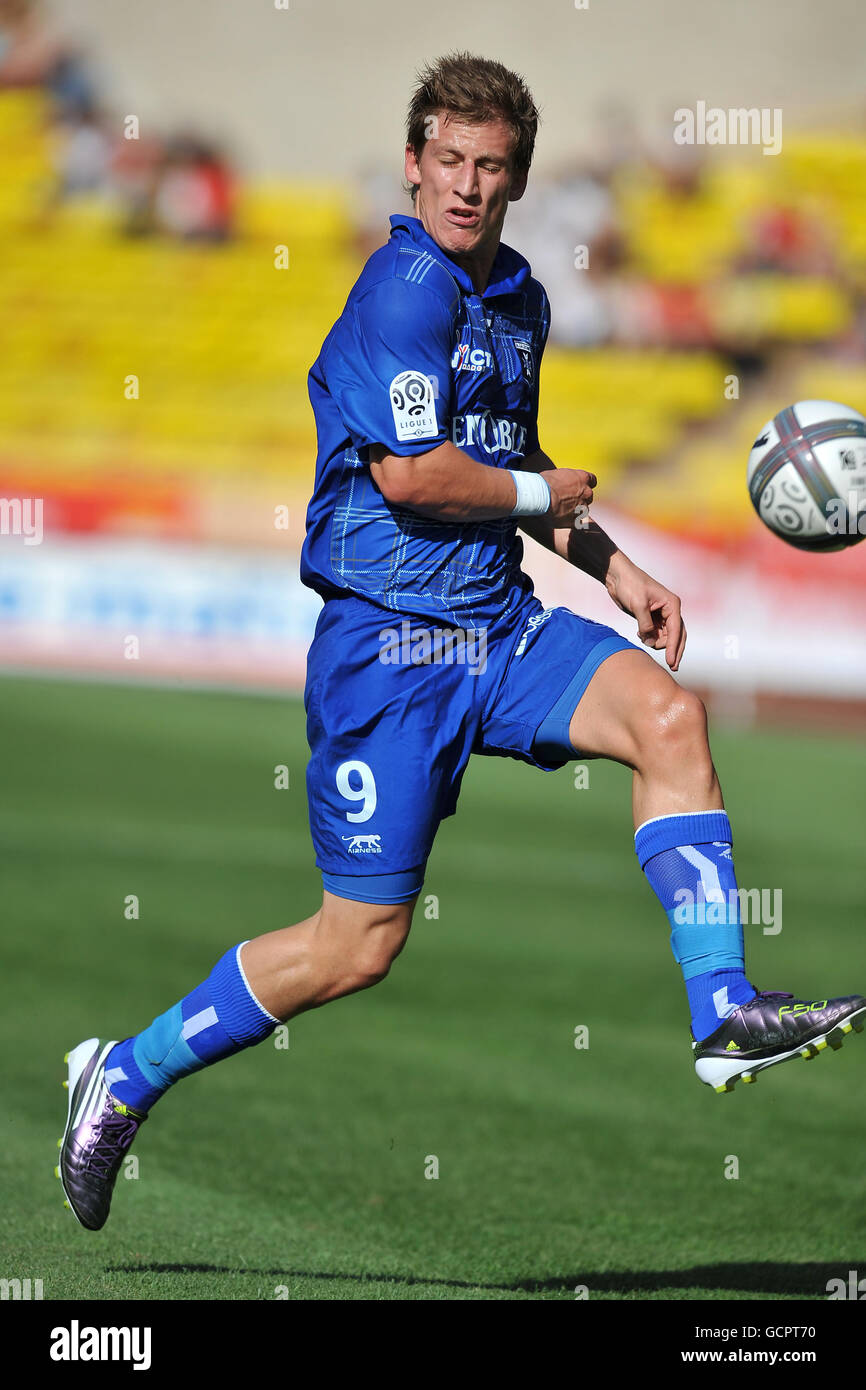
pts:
[586, 546]
[447, 484]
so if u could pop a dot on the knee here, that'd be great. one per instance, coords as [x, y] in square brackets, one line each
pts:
[360, 943]
[370, 957]
[681, 716]
[673, 725]
[370, 964]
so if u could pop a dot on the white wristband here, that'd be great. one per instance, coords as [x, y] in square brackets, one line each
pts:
[533, 494]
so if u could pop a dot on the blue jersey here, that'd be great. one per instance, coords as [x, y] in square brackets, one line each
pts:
[419, 357]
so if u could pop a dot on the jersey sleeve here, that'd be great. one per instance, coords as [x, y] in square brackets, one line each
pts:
[532, 443]
[390, 374]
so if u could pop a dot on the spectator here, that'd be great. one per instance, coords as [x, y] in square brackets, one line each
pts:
[30, 51]
[83, 152]
[194, 196]
[135, 171]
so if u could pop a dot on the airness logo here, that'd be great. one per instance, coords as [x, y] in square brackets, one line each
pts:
[363, 844]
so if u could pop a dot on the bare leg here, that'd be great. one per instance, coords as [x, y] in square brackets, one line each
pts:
[346, 946]
[635, 713]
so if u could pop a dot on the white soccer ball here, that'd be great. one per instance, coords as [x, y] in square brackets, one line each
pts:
[807, 475]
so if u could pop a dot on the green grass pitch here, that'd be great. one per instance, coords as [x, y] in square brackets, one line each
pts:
[300, 1172]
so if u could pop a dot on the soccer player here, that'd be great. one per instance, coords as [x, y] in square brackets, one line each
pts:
[431, 646]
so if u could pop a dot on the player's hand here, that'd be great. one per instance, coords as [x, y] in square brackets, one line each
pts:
[655, 608]
[570, 488]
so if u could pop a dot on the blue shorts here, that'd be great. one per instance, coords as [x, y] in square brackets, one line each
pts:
[396, 705]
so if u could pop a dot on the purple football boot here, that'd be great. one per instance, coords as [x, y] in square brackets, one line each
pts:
[774, 1027]
[99, 1131]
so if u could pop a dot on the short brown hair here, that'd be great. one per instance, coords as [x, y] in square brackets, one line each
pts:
[477, 90]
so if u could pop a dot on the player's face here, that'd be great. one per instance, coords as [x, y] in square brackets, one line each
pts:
[465, 179]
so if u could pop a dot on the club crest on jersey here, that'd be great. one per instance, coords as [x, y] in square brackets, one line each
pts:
[526, 360]
[412, 405]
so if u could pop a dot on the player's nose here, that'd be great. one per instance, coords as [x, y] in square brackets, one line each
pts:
[466, 182]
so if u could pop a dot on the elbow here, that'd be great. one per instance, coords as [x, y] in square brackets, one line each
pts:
[398, 485]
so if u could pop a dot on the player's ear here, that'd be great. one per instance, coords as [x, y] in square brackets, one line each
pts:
[518, 186]
[413, 171]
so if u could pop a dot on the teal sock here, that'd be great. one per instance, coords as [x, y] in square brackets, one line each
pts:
[688, 860]
[218, 1018]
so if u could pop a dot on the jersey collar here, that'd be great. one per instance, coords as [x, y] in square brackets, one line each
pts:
[508, 273]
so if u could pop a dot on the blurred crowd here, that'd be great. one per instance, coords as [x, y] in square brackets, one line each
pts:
[574, 229]
[176, 184]
[577, 224]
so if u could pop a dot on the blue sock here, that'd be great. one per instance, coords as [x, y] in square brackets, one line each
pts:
[688, 862]
[218, 1018]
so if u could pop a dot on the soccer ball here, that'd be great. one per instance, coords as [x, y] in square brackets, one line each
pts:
[807, 475]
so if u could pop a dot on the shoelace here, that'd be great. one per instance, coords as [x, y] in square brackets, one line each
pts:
[116, 1133]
